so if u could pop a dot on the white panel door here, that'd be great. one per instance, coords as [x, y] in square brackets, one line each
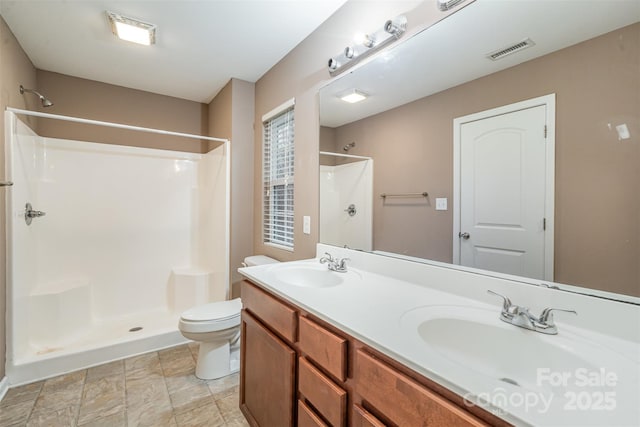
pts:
[502, 193]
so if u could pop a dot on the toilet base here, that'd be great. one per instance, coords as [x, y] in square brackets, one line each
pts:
[216, 361]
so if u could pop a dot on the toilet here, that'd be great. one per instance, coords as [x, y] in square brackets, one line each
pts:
[216, 326]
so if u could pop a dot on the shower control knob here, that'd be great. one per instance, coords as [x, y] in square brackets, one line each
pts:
[351, 210]
[29, 213]
[464, 236]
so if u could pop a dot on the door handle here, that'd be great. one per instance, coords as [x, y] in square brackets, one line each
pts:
[464, 235]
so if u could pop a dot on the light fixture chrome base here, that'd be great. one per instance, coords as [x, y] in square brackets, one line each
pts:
[445, 5]
[391, 31]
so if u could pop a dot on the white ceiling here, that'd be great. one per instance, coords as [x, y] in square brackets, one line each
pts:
[199, 46]
[454, 50]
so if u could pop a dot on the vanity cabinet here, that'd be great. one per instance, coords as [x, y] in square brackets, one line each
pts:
[402, 400]
[328, 398]
[362, 418]
[307, 416]
[267, 378]
[297, 370]
[325, 348]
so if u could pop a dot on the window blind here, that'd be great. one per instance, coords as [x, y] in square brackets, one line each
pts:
[277, 167]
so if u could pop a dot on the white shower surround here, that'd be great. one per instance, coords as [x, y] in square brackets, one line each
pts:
[131, 237]
[341, 186]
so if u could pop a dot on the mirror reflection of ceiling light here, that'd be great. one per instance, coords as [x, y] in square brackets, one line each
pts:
[353, 96]
[131, 29]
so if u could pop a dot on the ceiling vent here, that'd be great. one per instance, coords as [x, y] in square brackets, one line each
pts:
[501, 53]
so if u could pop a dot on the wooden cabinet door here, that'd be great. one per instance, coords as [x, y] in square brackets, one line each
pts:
[267, 376]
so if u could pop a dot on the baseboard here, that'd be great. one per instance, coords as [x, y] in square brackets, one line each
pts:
[4, 387]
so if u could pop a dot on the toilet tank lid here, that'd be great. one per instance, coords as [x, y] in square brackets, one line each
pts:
[220, 310]
[251, 261]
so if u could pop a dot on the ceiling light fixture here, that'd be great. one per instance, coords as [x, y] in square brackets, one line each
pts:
[132, 30]
[367, 44]
[353, 96]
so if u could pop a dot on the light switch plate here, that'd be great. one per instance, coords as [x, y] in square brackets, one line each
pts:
[623, 132]
[306, 224]
[441, 204]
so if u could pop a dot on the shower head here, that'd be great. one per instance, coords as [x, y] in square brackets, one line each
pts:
[45, 102]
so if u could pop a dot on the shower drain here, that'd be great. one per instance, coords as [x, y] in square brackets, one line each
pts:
[135, 329]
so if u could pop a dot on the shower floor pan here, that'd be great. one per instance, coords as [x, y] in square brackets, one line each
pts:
[105, 341]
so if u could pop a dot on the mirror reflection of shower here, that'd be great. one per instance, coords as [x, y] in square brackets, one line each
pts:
[349, 146]
[46, 102]
[346, 181]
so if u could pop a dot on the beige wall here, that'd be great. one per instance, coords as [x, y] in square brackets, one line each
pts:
[231, 116]
[241, 176]
[15, 69]
[597, 234]
[328, 143]
[219, 115]
[299, 75]
[73, 96]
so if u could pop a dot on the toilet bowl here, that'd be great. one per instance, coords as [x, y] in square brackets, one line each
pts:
[216, 326]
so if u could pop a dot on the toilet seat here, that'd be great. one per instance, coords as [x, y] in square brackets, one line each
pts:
[216, 316]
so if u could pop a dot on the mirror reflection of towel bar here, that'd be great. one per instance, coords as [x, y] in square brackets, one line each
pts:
[423, 194]
[6, 184]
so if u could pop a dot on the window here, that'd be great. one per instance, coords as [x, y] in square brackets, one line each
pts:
[277, 172]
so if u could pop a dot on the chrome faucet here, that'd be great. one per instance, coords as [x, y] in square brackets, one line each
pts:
[521, 317]
[334, 264]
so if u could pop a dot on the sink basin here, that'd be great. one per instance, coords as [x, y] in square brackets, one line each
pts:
[310, 276]
[475, 340]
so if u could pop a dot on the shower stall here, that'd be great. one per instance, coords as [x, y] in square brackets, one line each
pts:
[106, 246]
[346, 201]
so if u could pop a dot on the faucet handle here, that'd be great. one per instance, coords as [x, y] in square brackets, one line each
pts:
[326, 258]
[343, 263]
[506, 303]
[547, 314]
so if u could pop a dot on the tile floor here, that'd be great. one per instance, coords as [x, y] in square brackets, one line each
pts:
[154, 389]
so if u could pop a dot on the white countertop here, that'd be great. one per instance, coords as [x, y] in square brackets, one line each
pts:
[378, 308]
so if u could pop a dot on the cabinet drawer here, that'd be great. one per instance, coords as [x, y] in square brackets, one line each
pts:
[329, 399]
[281, 318]
[362, 418]
[323, 347]
[402, 400]
[308, 418]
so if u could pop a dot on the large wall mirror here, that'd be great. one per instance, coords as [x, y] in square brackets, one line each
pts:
[506, 138]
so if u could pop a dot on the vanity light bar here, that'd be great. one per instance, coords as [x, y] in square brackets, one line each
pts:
[444, 5]
[392, 30]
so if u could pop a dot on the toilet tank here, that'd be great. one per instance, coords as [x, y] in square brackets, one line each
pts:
[254, 260]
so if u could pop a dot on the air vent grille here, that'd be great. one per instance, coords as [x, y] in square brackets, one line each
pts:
[501, 53]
